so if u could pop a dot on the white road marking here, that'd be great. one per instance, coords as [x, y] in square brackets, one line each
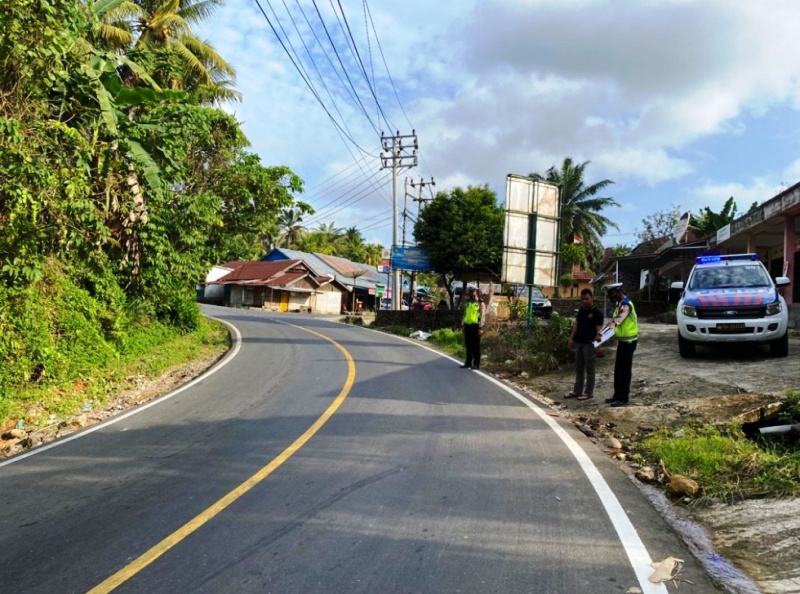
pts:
[634, 547]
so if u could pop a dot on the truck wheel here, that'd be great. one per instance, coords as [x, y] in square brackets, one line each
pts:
[780, 347]
[686, 347]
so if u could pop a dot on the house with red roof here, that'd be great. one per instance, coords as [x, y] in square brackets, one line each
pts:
[283, 285]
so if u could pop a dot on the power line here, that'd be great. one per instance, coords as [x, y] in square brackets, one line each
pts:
[357, 55]
[308, 83]
[344, 69]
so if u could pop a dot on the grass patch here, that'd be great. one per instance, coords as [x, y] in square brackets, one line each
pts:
[725, 462]
[158, 351]
[449, 341]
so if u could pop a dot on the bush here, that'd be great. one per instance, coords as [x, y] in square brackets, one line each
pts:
[539, 350]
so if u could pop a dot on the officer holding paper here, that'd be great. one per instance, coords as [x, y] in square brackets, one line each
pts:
[626, 330]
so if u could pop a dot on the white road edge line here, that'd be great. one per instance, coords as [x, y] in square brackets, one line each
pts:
[222, 363]
[634, 547]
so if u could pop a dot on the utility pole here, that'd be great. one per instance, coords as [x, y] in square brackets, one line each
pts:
[405, 207]
[398, 157]
[422, 183]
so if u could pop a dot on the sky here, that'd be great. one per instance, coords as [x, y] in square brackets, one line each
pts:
[681, 103]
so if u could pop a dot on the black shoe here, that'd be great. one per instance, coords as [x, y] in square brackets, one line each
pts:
[618, 403]
[465, 366]
[610, 400]
[476, 367]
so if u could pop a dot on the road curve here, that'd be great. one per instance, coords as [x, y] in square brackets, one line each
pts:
[330, 458]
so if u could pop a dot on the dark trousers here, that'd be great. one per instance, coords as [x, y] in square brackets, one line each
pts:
[472, 341]
[585, 363]
[623, 369]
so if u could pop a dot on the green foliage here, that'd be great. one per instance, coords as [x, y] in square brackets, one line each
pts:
[790, 413]
[573, 253]
[566, 280]
[539, 350]
[517, 309]
[659, 224]
[116, 196]
[52, 331]
[580, 206]
[724, 462]
[152, 349]
[450, 341]
[621, 249]
[707, 222]
[462, 231]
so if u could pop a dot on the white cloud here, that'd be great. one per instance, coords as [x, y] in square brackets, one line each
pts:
[655, 93]
[651, 166]
[714, 196]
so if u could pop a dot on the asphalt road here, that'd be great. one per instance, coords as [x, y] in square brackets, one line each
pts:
[320, 457]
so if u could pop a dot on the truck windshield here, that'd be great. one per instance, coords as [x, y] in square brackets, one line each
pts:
[729, 277]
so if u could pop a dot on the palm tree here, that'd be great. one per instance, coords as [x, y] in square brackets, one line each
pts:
[180, 59]
[331, 235]
[373, 253]
[109, 23]
[351, 244]
[580, 207]
[291, 229]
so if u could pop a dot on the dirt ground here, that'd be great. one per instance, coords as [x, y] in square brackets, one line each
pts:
[760, 537]
[719, 385]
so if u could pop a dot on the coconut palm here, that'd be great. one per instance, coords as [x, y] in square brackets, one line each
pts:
[109, 23]
[580, 206]
[291, 229]
[185, 61]
[373, 253]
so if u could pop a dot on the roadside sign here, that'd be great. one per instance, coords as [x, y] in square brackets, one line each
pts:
[410, 258]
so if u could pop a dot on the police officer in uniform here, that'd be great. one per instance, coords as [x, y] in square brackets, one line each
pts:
[626, 331]
[472, 326]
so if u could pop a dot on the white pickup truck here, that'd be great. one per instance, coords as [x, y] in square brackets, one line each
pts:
[732, 299]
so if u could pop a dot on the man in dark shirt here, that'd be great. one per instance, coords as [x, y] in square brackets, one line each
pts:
[587, 325]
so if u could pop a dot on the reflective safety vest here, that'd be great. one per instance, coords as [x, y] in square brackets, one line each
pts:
[472, 314]
[628, 330]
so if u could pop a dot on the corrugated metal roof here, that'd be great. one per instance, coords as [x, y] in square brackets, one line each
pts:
[287, 278]
[257, 271]
[335, 266]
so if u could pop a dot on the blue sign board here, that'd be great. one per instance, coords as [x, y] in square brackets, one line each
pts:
[410, 258]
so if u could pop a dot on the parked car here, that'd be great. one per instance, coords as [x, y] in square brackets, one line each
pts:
[386, 303]
[542, 306]
[732, 299]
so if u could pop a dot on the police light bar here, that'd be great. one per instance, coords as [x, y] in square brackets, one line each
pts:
[719, 258]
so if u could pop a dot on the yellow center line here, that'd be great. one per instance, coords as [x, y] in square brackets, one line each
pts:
[205, 516]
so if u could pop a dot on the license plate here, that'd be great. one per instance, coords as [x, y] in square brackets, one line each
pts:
[730, 327]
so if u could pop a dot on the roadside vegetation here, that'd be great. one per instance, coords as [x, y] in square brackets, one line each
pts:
[121, 184]
[727, 464]
[509, 346]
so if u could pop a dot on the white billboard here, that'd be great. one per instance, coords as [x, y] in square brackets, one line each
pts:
[530, 241]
